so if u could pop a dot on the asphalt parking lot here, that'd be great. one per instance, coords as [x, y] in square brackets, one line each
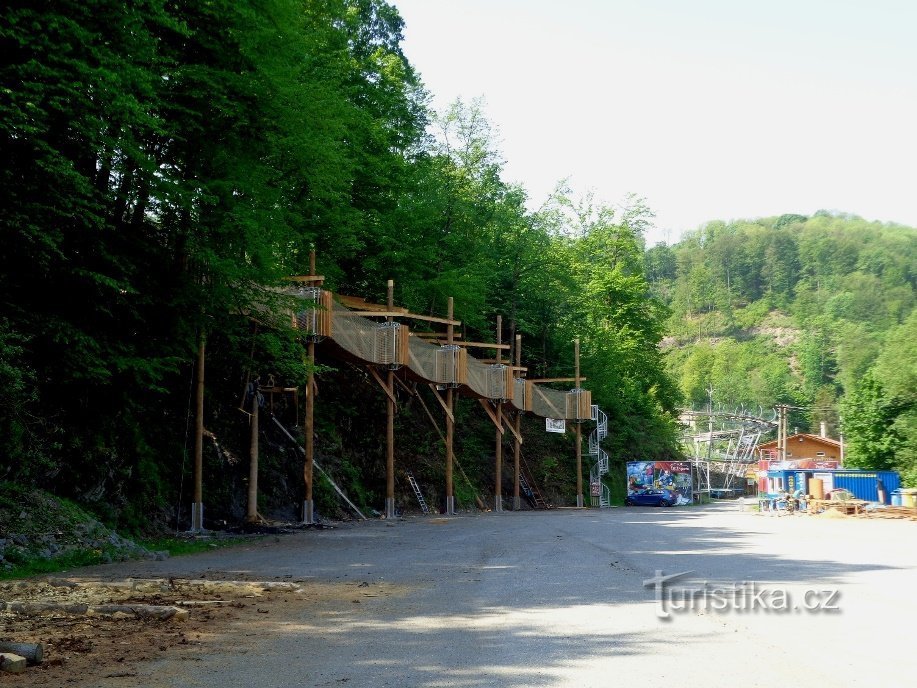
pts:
[559, 598]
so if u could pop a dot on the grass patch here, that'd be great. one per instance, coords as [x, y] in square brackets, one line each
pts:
[36, 566]
[179, 546]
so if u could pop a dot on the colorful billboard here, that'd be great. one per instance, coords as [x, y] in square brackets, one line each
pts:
[674, 476]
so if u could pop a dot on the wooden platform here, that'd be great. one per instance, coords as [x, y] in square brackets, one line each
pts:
[853, 507]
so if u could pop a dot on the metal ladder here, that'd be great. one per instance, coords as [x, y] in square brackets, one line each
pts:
[417, 492]
[528, 488]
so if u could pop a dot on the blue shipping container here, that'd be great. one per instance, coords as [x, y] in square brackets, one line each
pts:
[864, 484]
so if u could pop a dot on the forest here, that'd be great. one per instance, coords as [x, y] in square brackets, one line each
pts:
[816, 312]
[166, 165]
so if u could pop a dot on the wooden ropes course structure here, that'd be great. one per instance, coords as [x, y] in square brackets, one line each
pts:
[371, 336]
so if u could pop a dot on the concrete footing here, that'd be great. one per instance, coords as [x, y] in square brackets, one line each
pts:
[197, 517]
[308, 511]
[390, 507]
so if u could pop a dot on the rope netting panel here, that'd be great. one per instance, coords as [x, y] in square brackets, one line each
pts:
[547, 402]
[444, 365]
[479, 377]
[384, 343]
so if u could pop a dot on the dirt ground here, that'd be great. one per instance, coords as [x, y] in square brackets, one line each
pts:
[79, 646]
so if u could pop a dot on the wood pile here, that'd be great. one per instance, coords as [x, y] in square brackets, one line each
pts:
[895, 512]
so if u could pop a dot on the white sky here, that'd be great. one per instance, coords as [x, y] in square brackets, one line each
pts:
[710, 109]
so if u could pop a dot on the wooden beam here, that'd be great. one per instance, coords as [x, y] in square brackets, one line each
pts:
[492, 414]
[557, 379]
[486, 345]
[416, 392]
[399, 314]
[404, 385]
[509, 426]
[436, 335]
[362, 304]
[383, 385]
[305, 278]
[442, 402]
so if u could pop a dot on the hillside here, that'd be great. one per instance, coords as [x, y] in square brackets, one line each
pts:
[816, 312]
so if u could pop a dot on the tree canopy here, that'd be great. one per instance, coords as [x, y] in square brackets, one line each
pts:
[166, 163]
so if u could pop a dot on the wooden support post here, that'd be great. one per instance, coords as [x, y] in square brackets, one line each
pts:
[498, 450]
[251, 515]
[308, 511]
[517, 445]
[450, 422]
[390, 426]
[579, 434]
[197, 506]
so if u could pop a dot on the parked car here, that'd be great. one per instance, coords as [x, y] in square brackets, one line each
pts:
[651, 497]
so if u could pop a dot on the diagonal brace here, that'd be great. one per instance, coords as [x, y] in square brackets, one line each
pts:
[383, 385]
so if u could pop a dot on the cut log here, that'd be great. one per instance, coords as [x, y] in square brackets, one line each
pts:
[140, 611]
[12, 663]
[114, 611]
[33, 652]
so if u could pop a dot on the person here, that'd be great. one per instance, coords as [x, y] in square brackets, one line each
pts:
[799, 498]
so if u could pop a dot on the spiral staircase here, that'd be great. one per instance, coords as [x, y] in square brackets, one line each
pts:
[600, 494]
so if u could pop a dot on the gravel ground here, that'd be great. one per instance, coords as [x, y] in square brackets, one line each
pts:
[558, 599]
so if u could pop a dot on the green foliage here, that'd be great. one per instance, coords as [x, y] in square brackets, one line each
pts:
[26, 565]
[814, 311]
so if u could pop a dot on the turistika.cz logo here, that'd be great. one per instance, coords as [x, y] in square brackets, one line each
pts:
[744, 597]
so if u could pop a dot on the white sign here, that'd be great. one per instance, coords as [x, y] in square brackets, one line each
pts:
[555, 425]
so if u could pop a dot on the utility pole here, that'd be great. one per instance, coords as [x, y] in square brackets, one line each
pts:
[782, 430]
[709, 421]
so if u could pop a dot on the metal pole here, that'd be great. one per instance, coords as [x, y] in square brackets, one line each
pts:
[579, 433]
[450, 429]
[517, 446]
[197, 507]
[390, 426]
